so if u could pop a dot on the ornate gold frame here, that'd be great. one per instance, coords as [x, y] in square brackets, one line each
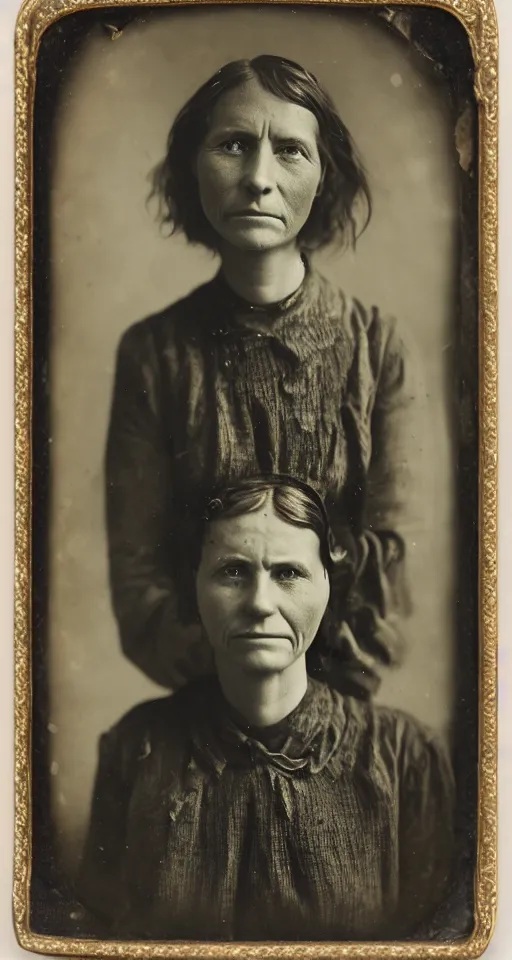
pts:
[479, 20]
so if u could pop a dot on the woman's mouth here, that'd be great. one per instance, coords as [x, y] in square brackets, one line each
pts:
[254, 215]
[260, 637]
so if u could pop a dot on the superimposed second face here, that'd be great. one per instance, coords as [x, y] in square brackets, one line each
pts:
[258, 168]
[262, 589]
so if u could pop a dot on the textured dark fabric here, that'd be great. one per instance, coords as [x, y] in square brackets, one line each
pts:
[334, 824]
[211, 390]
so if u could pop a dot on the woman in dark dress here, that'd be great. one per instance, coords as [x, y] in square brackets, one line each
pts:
[260, 803]
[266, 368]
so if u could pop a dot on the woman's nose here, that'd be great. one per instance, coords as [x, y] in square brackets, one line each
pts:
[259, 170]
[259, 598]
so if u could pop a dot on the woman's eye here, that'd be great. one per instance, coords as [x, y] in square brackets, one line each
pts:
[234, 147]
[232, 573]
[291, 150]
[287, 573]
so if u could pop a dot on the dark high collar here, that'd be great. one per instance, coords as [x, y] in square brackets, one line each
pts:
[305, 323]
[306, 740]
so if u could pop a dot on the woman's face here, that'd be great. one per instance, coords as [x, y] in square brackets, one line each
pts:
[258, 169]
[262, 590]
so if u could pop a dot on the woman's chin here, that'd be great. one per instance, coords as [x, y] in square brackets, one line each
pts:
[263, 659]
[254, 238]
[263, 666]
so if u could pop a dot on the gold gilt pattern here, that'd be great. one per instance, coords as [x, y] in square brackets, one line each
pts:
[479, 20]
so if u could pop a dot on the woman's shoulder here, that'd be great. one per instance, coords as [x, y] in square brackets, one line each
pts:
[393, 734]
[365, 324]
[356, 311]
[149, 724]
[183, 314]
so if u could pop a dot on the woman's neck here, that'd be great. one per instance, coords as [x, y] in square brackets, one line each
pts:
[262, 277]
[263, 698]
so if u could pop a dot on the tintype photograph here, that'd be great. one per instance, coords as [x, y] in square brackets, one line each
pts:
[255, 535]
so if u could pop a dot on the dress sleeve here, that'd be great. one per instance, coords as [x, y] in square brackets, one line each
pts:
[426, 833]
[99, 884]
[395, 486]
[385, 419]
[140, 525]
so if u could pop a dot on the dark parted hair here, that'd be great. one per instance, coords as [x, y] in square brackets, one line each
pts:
[293, 501]
[335, 211]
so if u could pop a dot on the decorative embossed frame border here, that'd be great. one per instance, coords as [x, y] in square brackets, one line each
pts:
[479, 21]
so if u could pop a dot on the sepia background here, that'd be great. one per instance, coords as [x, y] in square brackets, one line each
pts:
[112, 265]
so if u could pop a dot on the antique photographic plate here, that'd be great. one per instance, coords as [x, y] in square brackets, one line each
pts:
[107, 237]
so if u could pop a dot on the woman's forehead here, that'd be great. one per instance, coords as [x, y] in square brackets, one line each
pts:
[261, 533]
[249, 105]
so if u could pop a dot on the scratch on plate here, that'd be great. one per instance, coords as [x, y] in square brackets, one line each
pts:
[114, 32]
